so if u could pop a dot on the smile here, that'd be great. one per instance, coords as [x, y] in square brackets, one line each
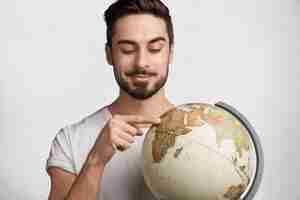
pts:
[141, 77]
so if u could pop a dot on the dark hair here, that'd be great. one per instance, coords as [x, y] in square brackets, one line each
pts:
[123, 8]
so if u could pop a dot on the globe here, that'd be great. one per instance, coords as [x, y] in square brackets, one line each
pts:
[201, 151]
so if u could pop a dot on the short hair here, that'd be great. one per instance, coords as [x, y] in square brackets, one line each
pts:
[123, 8]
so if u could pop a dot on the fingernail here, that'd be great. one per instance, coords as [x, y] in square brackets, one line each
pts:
[139, 132]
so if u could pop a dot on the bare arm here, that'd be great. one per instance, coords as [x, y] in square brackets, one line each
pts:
[68, 186]
[61, 182]
[118, 130]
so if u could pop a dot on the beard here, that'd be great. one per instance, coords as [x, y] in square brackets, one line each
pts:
[141, 91]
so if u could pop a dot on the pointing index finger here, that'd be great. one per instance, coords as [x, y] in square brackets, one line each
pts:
[139, 119]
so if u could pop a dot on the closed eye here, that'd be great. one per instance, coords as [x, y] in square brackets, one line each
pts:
[155, 50]
[128, 51]
[156, 47]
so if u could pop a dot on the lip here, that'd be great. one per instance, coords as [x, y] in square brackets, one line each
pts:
[141, 77]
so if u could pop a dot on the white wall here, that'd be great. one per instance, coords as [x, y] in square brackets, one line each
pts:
[53, 72]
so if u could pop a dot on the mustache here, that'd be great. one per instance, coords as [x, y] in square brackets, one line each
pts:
[139, 71]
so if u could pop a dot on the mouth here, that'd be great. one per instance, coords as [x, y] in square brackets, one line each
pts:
[141, 77]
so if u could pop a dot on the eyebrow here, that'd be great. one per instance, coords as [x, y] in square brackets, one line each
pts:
[158, 39]
[131, 42]
[126, 42]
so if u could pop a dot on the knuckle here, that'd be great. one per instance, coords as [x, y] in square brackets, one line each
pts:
[113, 123]
[113, 131]
[130, 139]
[139, 118]
[117, 116]
[126, 145]
[136, 131]
[132, 133]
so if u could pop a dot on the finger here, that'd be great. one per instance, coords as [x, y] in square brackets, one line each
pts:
[128, 128]
[127, 137]
[120, 144]
[140, 132]
[118, 148]
[139, 119]
[135, 129]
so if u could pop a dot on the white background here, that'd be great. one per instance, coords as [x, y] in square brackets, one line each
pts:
[53, 72]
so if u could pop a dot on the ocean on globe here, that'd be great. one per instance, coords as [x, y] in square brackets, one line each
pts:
[198, 152]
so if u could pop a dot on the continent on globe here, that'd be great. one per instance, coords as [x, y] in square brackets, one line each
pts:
[198, 151]
[173, 123]
[234, 192]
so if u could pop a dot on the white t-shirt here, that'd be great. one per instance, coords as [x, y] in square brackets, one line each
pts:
[122, 178]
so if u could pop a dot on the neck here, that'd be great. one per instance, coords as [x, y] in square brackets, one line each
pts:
[153, 106]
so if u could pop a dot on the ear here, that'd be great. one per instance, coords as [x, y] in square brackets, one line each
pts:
[108, 54]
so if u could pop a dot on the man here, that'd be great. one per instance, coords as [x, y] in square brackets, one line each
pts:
[99, 158]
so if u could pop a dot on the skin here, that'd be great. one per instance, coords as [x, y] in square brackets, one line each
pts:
[141, 31]
[140, 56]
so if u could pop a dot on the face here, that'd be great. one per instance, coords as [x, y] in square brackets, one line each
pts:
[140, 54]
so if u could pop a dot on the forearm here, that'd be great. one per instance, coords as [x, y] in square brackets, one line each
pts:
[87, 184]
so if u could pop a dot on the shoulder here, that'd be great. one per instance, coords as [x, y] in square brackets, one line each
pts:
[91, 121]
[85, 127]
[74, 141]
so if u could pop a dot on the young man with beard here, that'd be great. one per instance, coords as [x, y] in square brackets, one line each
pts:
[99, 158]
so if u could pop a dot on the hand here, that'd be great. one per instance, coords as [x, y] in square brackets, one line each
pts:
[119, 132]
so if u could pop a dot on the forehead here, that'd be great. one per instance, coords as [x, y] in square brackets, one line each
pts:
[139, 28]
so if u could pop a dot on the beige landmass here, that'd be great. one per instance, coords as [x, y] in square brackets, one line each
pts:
[234, 192]
[235, 132]
[180, 121]
[175, 123]
[228, 127]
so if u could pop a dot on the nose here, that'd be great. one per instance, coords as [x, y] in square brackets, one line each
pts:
[142, 59]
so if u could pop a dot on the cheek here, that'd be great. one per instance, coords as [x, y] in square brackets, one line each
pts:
[164, 57]
[123, 63]
[161, 63]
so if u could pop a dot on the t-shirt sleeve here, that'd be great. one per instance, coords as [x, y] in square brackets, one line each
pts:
[61, 155]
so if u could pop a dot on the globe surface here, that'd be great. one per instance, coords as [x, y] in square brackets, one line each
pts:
[198, 152]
